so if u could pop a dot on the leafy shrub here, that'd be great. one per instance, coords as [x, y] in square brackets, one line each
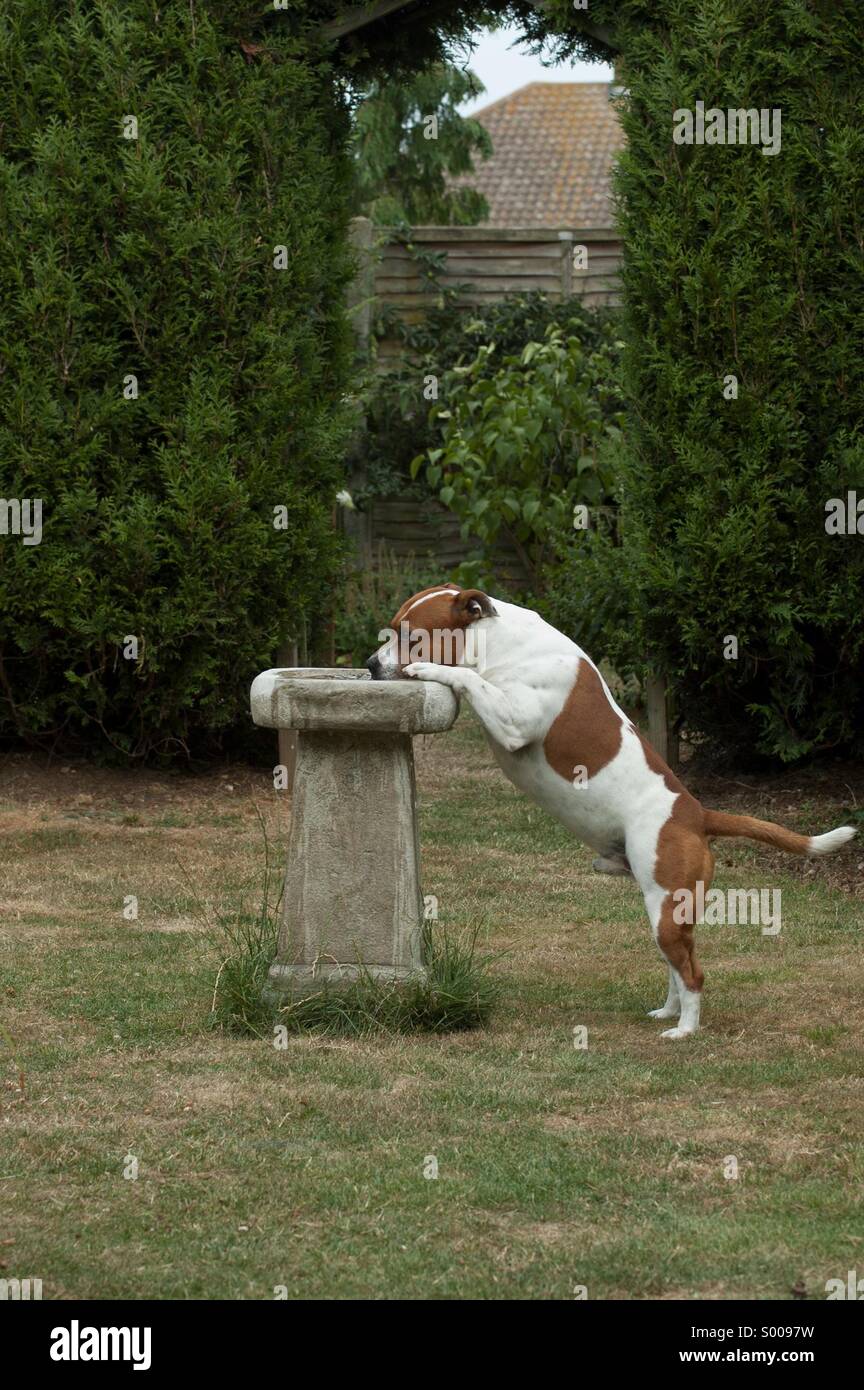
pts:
[449, 334]
[588, 594]
[525, 438]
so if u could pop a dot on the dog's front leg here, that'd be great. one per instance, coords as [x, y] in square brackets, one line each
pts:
[504, 715]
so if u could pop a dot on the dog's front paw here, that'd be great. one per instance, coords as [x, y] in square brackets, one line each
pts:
[428, 671]
[677, 1033]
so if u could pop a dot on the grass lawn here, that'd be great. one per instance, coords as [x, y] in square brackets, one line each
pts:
[304, 1168]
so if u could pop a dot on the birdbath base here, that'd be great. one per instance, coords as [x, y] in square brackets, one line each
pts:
[352, 902]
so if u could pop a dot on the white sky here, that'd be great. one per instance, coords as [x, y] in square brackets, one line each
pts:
[502, 68]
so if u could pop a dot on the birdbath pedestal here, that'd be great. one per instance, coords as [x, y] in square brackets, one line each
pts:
[352, 898]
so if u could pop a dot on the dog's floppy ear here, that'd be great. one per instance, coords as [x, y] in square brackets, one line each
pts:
[472, 604]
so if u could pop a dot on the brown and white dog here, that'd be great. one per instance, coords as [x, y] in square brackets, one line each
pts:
[558, 734]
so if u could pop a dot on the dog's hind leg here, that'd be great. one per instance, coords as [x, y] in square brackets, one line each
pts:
[683, 862]
[675, 939]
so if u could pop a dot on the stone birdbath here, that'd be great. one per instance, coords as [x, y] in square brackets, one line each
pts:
[352, 898]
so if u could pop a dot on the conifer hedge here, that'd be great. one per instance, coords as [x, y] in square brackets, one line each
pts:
[152, 254]
[745, 265]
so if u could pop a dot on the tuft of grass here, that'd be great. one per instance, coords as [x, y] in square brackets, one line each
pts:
[458, 993]
[238, 1004]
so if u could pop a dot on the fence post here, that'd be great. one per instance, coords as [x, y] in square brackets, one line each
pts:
[661, 734]
[566, 238]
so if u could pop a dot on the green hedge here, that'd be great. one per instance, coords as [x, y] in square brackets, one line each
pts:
[154, 257]
[746, 264]
[736, 263]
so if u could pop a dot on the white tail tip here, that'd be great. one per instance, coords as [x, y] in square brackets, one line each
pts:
[831, 840]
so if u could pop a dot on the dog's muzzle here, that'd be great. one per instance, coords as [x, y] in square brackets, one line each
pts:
[383, 665]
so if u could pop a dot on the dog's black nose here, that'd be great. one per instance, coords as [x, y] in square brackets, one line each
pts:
[373, 666]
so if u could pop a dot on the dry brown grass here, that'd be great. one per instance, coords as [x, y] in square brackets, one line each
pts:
[305, 1167]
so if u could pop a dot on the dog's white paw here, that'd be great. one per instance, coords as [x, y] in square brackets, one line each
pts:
[426, 671]
[663, 1013]
[677, 1033]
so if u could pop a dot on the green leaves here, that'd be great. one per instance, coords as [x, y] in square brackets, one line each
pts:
[515, 433]
[409, 140]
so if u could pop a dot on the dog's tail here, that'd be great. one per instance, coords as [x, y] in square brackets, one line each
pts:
[718, 823]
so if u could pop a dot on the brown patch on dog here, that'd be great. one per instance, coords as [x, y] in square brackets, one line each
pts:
[442, 613]
[587, 732]
[683, 859]
[434, 589]
[681, 848]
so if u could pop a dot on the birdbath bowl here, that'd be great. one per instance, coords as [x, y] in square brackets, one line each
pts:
[352, 899]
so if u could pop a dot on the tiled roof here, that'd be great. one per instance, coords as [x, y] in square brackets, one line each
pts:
[553, 145]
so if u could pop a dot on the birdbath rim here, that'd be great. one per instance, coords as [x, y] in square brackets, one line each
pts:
[340, 699]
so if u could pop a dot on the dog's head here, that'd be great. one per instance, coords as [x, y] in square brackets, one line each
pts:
[435, 625]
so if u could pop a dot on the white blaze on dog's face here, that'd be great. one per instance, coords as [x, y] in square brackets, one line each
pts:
[435, 625]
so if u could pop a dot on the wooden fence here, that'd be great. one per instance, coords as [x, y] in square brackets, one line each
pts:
[490, 263]
[405, 528]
